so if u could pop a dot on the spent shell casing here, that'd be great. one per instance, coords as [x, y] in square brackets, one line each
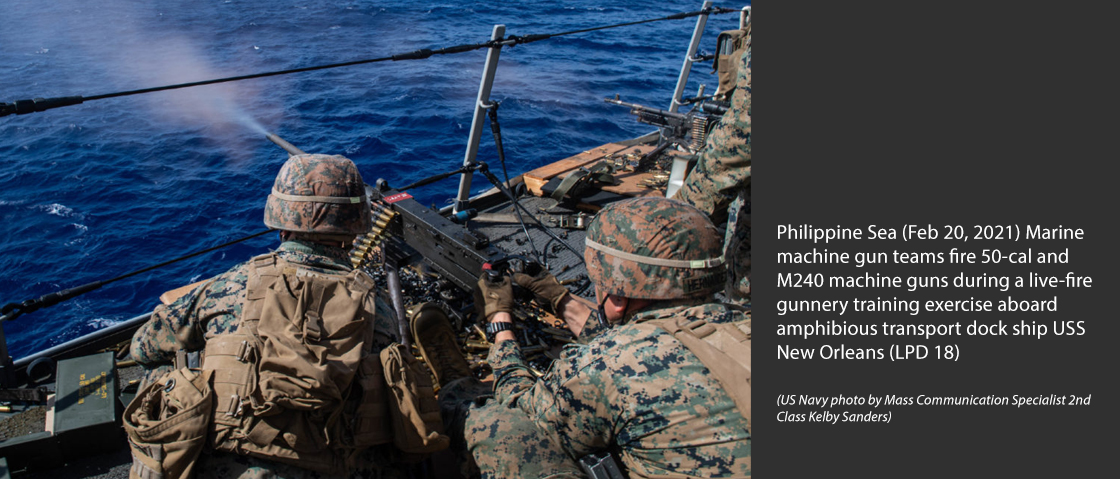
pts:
[477, 345]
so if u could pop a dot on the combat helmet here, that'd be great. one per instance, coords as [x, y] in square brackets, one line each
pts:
[654, 248]
[321, 194]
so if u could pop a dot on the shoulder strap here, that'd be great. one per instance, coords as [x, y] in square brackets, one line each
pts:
[263, 271]
[725, 349]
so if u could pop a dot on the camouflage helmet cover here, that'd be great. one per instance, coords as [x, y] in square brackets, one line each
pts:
[321, 194]
[654, 248]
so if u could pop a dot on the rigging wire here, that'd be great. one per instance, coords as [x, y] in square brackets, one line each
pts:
[485, 170]
[21, 107]
[12, 311]
[496, 129]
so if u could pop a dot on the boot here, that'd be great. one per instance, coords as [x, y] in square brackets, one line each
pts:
[431, 331]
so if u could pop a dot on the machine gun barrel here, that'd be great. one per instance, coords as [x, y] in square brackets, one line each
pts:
[652, 116]
[290, 148]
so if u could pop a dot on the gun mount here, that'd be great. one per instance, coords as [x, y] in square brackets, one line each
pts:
[452, 249]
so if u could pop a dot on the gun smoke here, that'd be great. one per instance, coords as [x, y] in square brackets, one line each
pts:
[136, 47]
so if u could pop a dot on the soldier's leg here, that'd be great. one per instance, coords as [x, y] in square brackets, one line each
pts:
[431, 330]
[455, 402]
[506, 444]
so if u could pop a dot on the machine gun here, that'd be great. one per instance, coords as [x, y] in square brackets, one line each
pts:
[690, 129]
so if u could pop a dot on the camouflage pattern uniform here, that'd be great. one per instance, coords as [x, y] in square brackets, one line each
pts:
[720, 185]
[322, 195]
[214, 308]
[632, 390]
[487, 434]
[624, 391]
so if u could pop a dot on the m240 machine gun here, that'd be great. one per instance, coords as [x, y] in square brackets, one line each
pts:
[688, 129]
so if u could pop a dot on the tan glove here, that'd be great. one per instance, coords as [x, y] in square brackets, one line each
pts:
[545, 287]
[491, 297]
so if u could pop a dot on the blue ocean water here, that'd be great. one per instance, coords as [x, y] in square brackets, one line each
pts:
[93, 191]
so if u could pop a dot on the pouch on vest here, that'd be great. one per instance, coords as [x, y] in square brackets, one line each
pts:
[371, 425]
[312, 329]
[293, 381]
[232, 359]
[167, 425]
[417, 426]
[730, 46]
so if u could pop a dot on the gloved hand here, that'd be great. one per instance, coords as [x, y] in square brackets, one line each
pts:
[492, 297]
[545, 287]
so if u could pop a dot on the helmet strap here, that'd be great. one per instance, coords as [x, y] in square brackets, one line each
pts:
[602, 312]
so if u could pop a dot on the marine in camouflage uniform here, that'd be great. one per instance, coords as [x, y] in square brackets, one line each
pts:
[314, 234]
[632, 390]
[720, 185]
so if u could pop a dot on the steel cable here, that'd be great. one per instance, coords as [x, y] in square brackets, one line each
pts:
[21, 107]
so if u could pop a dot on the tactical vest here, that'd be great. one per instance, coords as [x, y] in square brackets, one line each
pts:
[297, 382]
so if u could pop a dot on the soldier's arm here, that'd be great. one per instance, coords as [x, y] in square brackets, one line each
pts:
[570, 400]
[575, 312]
[724, 166]
[511, 372]
[177, 325]
[157, 341]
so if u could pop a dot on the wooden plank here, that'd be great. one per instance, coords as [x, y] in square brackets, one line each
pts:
[629, 182]
[629, 186]
[535, 179]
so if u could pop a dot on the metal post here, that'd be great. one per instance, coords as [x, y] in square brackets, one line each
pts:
[479, 117]
[682, 80]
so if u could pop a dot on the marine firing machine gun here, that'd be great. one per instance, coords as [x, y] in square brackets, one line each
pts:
[686, 129]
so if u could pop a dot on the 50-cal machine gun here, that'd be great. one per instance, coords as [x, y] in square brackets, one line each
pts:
[688, 129]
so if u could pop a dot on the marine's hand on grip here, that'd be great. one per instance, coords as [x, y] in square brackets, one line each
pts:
[545, 287]
[493, 295]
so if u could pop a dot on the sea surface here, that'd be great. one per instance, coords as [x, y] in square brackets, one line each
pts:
[93, 191]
